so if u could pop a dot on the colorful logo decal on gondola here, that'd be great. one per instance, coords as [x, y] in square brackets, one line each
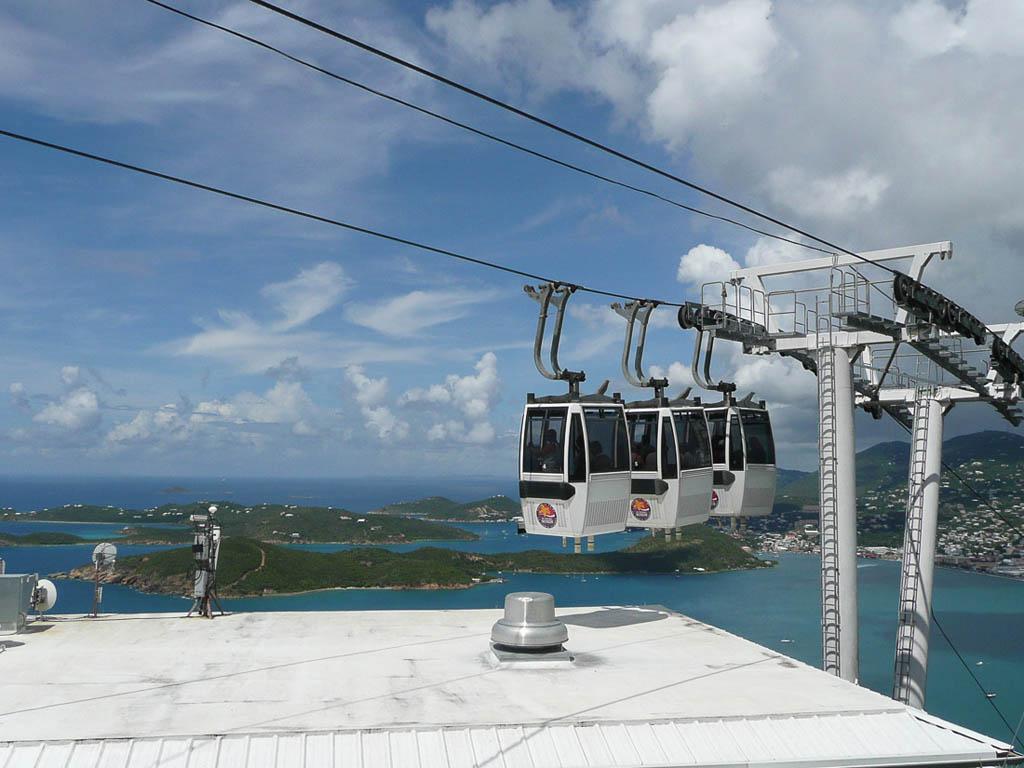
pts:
[714, 499]
[641, 509]
[546, 515]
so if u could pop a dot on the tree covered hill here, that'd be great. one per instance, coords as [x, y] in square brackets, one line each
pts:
[266, 522]
[993, 458]
[492, 509]
[249, 567]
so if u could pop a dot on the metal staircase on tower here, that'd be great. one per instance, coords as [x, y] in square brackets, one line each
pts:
[829, 522]
[912, 539]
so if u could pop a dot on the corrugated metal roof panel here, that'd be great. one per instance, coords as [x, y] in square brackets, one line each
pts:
[232, 751]
[486, 747]
[405, 751]
[675, 748]
[262, 751]
[86, 753]
[514, 748]
[377, 750]
[567, 745]
[204, 753]
[114, 753]
[431, 747]
[881, 739]
[21, 756]
[458, 748]
[347, 749]
[541, 746]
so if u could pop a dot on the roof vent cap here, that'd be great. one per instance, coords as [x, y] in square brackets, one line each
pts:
[529, 624]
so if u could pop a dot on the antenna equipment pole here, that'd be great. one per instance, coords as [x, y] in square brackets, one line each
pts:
[205, 550]
[103, 556]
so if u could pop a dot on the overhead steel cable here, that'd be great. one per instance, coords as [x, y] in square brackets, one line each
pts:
[319, 218]
[975, 491]
[477, 131]
[963, 662]
[558, 128]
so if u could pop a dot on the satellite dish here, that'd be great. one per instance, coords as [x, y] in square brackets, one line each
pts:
[45, 595]
[213, 508]
[1019, 308]
[104, 555]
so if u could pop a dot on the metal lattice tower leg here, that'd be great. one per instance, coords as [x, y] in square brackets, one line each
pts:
[919, 538]
[828, 523]
[838, 515]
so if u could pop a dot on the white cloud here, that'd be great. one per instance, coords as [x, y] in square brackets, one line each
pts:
[711, 63]
[435, 393]
[165, 422]
[284, 403]
[838, 196]
[369, 391]
[461, 398]
[983, 27]
[384, 424]
[768, 250]
[704, 264]
[411, 313]
[69, 375]
[311, 293]
[474, 395]
[477, 393]
[276, 346]
[76, 411]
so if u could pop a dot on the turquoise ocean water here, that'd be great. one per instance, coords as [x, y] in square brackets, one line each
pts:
[777, 608]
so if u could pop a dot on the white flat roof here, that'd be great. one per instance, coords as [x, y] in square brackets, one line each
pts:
[409, 688]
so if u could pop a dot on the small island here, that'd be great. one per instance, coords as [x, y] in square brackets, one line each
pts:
[274, 523]
[495, 509]
[253, 568]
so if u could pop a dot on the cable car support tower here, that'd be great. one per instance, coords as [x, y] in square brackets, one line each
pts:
[889, 346]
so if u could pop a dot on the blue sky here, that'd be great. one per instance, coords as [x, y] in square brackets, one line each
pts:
[154, 329]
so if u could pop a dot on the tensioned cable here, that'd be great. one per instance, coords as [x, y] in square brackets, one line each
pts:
[321, 219]
[990, 700]
[956, 651]
[555, 127]
[972, 489]
[477, 131]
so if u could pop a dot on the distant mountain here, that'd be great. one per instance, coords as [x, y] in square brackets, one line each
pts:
[991, 458]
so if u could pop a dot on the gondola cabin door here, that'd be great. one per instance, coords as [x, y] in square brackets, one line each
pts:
[743, 455]
[672, 473]
[574, 471]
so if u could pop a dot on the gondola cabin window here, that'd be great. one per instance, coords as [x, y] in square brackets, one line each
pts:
[692, 432]
[609, 441]
[735, 444]
[716, 425]
[669, 460]
[643, 431]
[757, 432]
[544, 433]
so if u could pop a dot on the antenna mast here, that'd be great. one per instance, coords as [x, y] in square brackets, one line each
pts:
[205, 550]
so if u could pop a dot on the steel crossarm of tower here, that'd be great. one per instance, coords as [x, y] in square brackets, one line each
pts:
[921, 255]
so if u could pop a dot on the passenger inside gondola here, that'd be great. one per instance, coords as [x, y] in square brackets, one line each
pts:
[599, 460]
[543, 447]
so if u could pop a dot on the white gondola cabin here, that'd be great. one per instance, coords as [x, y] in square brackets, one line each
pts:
[574, 477]
[671, 458]
[743, 456]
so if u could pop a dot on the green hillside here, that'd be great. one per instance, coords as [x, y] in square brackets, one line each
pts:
[492, 509]
[250, 567]
[995, 458]
[265, 522]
